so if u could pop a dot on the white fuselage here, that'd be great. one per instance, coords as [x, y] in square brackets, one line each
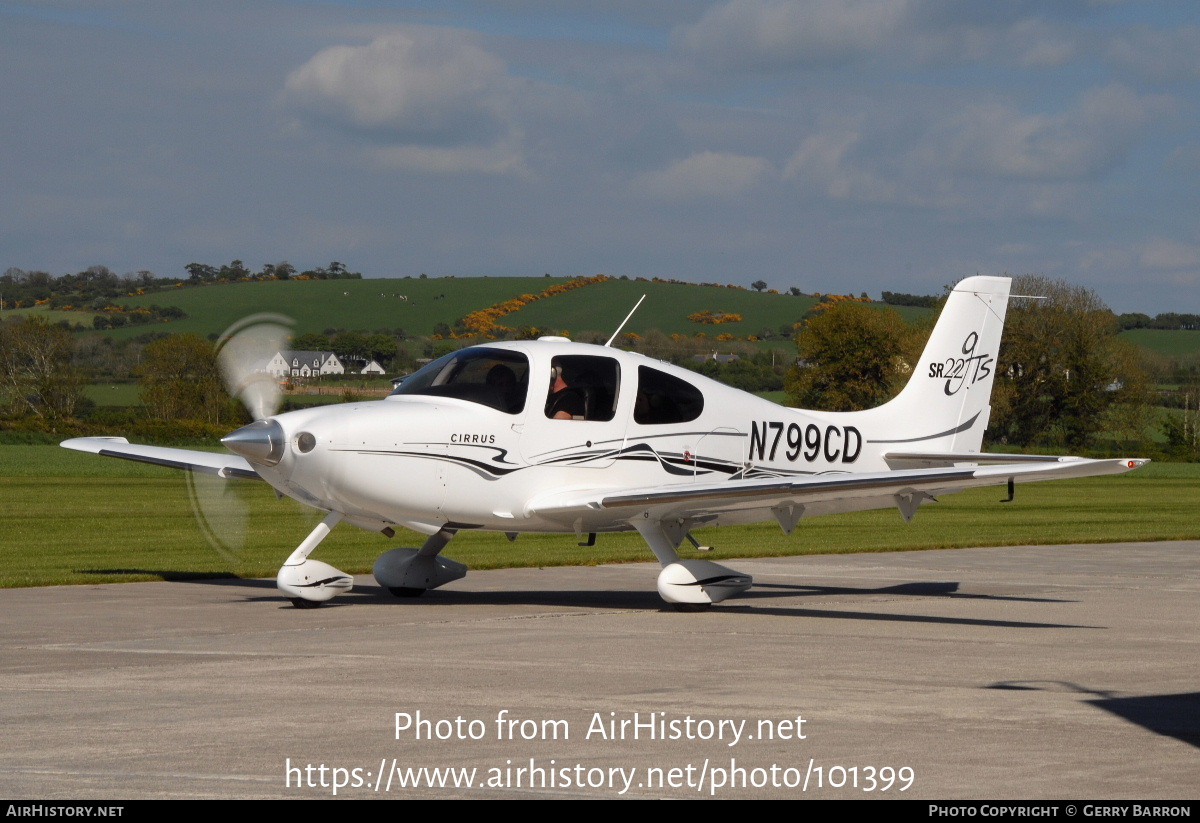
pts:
[426, 461]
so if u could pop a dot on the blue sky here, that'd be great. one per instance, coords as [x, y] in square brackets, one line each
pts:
[832, 145]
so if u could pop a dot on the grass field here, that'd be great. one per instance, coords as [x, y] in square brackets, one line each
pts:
[77, 518]
[107, 393]
[73, 318]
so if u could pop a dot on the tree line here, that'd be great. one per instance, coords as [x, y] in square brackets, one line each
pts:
[1173, 321]
[97, 287]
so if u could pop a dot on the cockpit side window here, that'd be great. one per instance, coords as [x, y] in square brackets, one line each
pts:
[583, 387]
[493, 377]
[663, 398]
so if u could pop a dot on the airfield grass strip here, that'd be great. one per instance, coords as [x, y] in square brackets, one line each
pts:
[71, 518]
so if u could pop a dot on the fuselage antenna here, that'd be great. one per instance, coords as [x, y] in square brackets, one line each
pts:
[623, 322]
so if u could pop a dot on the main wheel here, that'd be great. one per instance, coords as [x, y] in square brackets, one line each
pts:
[301, 603]
[691, 607]
[404, 591]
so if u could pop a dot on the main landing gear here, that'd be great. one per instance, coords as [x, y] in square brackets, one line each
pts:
[408, 572]
[688, 585]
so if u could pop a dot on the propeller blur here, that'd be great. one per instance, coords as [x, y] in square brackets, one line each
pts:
[555, 436]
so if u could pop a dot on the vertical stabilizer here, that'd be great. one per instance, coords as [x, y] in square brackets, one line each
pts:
[947, 402]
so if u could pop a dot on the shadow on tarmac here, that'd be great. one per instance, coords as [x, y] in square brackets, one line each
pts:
[647, 600]
[1171, 715]
[917, 589]
[366, 595]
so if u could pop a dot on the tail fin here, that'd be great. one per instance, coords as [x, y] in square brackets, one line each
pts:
[947, 402]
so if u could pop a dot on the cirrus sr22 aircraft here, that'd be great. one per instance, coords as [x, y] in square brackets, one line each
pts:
[555, 436]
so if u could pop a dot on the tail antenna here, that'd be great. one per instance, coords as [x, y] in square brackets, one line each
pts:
[623, 322]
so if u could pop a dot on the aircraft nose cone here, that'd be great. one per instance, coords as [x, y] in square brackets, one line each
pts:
[260, 442]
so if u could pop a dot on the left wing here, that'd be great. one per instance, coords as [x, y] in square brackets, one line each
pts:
[788, 498]
[222, 465]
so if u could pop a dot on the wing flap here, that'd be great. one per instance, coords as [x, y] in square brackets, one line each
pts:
[917, 460]
[222, 465]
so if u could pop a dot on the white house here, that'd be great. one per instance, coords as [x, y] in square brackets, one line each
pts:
[304, 364]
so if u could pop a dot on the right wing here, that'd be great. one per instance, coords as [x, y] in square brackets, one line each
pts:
[787, 499]
[222, 465]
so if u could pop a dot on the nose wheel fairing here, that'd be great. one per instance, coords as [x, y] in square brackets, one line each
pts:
[313, 581]
[307, 581]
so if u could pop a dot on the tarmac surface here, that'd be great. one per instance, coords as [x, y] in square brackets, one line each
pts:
[1057, 672]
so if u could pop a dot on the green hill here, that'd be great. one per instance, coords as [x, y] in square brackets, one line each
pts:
[602, 306]
[373, 304]
[316, 305]
[368, 305]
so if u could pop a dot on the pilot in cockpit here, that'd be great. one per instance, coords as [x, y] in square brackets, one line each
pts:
[563, 402]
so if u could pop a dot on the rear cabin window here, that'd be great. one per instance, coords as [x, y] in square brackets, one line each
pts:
[662, 398]
[491, 377]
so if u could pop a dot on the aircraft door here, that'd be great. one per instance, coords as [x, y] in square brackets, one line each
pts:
[574, 420]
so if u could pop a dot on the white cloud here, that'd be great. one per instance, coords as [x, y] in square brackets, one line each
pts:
[767, 34]
[823, 161]
[425, 98]
[839, 163]
[984, 160]
[1026, 42]
[1079, 144]
[705, 174]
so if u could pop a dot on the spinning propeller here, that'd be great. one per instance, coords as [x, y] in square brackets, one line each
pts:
[242, 353]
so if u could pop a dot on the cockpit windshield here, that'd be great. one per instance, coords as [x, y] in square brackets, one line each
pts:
[493, 377]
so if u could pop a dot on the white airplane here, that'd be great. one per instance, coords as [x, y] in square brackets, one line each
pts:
[555, 436]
